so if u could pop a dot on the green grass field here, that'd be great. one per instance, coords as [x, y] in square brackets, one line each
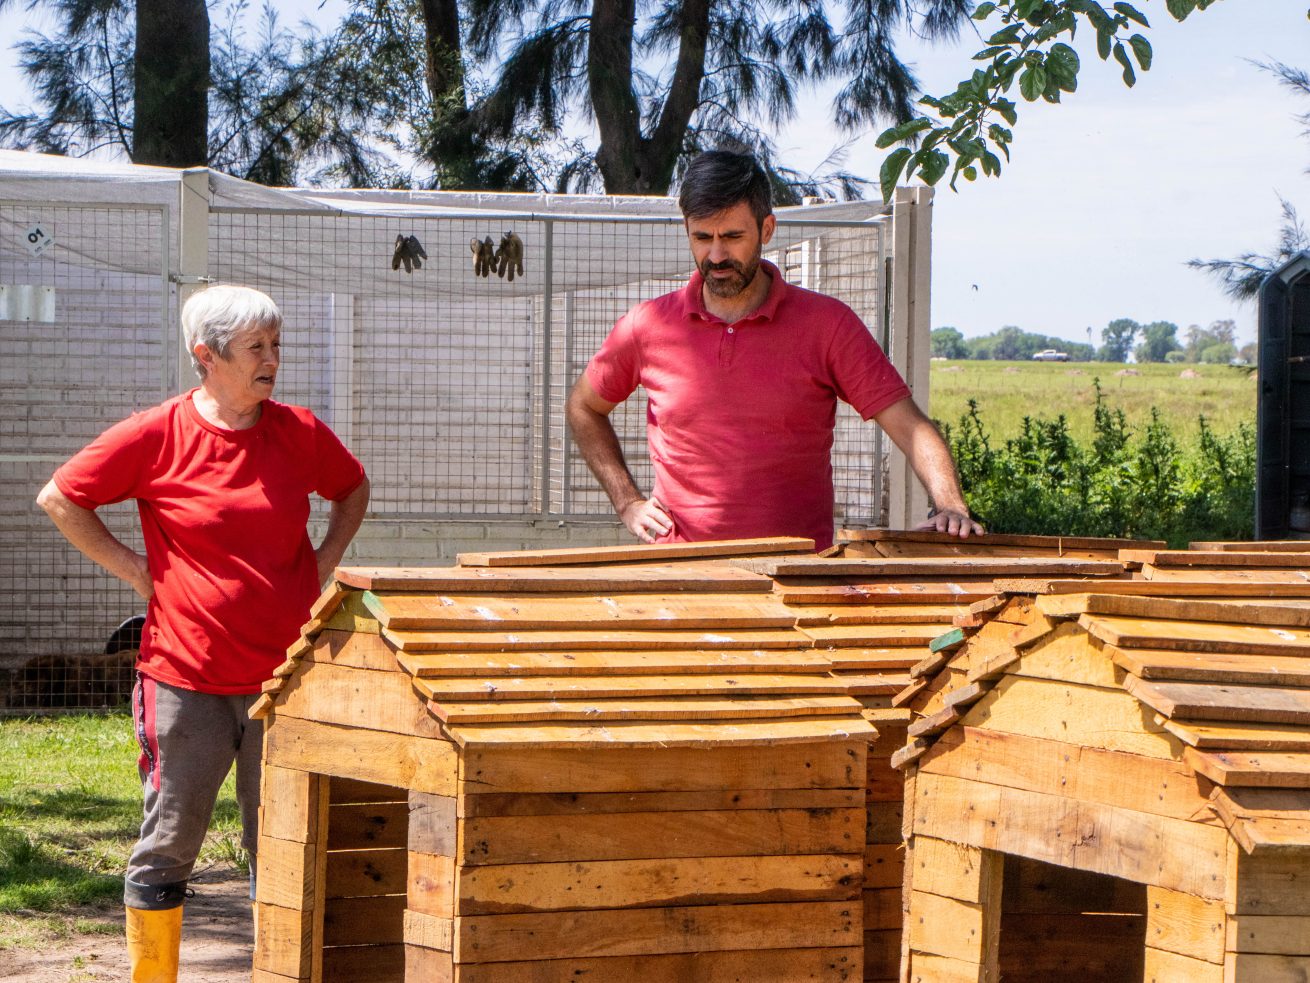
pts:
[70, 809]
[1008, 391]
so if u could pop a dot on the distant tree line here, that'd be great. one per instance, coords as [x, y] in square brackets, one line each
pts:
[1157, 341]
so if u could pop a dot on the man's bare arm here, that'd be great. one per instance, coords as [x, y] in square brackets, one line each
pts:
[85, 530]
[589, 421]
[928, 454]
[344, 520]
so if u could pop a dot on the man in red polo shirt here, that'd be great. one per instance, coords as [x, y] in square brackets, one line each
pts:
[743, 372]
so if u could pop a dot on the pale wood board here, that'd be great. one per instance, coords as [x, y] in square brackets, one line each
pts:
[1157, 588]
[594, 641]
[1287, 935]
[357, 698]
[874, 636]
[1162, 966]
[1252, 769]
[890, 614]
[1238, 736]
[1212, 667]
[1270, 883]
[1056, 543]
[494, 804]
[1188, 636]
[1219, 558]
[526, 888]
[656, 835]
[466, 689]
[1150, 849]
[1232, 702]
[728, 733]
[1223, 575]
[953, 567]
[636, 553]
[946, 927]
[837, 965]
[404, 762]
[1247, 546]
[1249, 611]
[813, 764]
[491, 665]
[710, 576]
[1185, 924]
[695, 708]
[652, 931]
[804, 591]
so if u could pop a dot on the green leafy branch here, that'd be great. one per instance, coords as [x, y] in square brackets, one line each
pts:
[970, 129]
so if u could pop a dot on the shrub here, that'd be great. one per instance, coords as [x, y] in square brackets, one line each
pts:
[1147, 485]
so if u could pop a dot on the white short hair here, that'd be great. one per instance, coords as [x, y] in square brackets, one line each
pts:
[214, 316]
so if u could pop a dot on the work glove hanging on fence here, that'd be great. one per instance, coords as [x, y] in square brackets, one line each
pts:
[509, 257]
[484, 256]
[410, 252]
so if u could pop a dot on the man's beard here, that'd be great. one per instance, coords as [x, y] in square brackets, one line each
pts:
[730, 286]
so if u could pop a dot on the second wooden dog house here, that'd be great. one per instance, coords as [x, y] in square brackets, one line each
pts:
[1115, 787]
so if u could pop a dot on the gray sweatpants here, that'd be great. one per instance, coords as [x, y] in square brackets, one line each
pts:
[189, 742]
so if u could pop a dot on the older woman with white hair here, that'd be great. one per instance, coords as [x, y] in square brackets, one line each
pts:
[222, 477]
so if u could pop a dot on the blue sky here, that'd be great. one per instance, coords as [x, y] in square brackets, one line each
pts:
[1109, 194]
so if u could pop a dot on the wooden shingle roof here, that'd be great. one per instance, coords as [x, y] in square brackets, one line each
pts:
[1227, 677]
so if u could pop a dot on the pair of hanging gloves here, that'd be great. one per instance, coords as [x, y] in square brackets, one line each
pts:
[505, 261]
[410, 252]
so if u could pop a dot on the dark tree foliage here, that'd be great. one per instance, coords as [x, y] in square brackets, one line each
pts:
[170, 119]
[665, 79]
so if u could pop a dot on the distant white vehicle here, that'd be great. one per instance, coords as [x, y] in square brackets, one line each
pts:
[1050, 355]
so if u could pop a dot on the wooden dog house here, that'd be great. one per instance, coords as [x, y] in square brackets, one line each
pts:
[1116, 785]
[504, 773]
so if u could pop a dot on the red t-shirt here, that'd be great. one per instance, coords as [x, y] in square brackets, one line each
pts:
[223, 513]
[740, 416]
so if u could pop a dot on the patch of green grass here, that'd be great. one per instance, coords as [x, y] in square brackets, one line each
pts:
[70, 810]
[1006, 392]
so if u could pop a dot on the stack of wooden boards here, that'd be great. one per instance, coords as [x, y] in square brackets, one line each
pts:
[1111, 780]
[532, 767]
[880, 608]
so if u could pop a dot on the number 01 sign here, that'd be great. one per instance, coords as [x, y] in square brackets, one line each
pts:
[38, 239]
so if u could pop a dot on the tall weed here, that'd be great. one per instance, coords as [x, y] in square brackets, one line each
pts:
[1147, 485]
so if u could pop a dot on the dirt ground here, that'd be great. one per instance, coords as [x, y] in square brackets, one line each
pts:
[216, 941]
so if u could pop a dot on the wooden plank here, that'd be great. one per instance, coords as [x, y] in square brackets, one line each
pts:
[352, 790]
[432, 824]
[762, 966]
[283, 941]
[1197, 587]
[884, 865]
[430, 884]
[950, 870]
[364, 921]
[358, 698]
[637, 553]
[1095, 717]
[655, 931]
[1265, 818]
[890, 614]
[1247, 546]
[356, 650]
[1158, 786]
[373, 963]
[649, 836]
[464, 690]
[790, 766]
[1068, 655]
[1162, 966]
[619, 803]
[595, 641]
[1212, 667]
[881, 659]
[1267, 969]
[575, 612]
[286, 874]
[964, 568]
[1186, 925]
[874, 636]
[712, 576]
[428, 931]
[1199, 701]
[927, 967]
[697, 708]
[892, 591]
[1275, 935]
[1149, 849]
[1220, 558]
[1238, 736]
[405, 762]
[946, 927]
[1291, 612]
[489, 665]
[1253, 769]
[1214, 575]
[363, 825]
[992, 539]
[523, 888]
[366, 873]
[639, 734]
[288, 804]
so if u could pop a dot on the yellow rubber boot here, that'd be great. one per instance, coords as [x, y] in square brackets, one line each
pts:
[153, 940]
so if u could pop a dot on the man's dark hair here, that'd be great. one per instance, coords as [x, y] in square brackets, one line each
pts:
[718, 179]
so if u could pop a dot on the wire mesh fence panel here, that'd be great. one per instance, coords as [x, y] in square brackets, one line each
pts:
[88, 353]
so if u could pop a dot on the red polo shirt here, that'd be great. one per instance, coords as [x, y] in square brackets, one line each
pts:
[740, 416]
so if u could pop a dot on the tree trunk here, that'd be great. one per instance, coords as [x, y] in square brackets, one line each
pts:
[171, 102]
[444, 65]
[629, 162]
